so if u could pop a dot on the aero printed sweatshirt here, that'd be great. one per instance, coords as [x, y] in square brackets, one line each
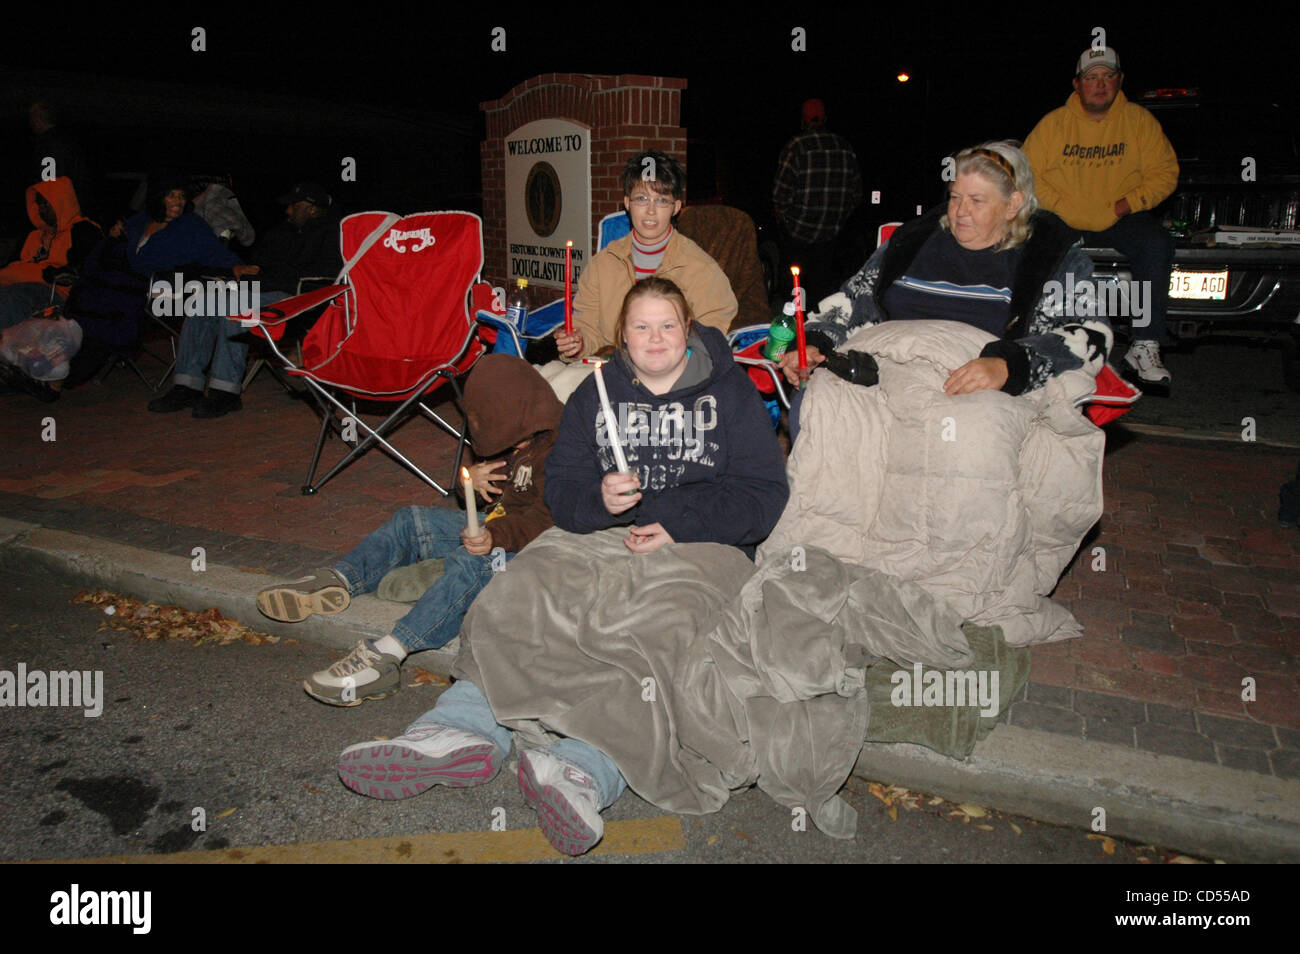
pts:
[1082, 167]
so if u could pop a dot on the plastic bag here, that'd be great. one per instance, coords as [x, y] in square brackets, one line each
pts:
[41, 347]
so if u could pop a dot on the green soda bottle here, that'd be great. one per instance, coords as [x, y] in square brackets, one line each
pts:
[781, 334]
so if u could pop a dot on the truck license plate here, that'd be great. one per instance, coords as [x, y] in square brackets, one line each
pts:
[1202, 286]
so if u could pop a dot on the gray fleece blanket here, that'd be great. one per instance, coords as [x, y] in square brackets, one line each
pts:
[695, 671]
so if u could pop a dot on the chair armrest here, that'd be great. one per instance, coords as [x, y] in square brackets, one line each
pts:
[271, 320]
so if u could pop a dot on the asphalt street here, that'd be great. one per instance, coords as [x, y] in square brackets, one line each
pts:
[1220, 386]
[227, 730]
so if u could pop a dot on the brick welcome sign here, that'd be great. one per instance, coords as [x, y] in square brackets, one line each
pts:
[620, 115]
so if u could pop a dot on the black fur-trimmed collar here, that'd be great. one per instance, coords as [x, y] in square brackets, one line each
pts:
[1040, 258]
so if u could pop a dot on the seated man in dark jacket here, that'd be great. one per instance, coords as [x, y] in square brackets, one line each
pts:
[304, 245]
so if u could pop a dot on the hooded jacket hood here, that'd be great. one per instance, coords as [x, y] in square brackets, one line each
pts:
[507, 401]
[61, 196]
[67, 242]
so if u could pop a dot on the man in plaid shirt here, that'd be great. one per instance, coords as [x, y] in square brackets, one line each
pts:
[818, 186]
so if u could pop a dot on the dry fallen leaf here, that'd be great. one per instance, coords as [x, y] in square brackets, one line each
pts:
[425, 678]
[712, 839]
[153, 621]
[226, 813]
[893, 812]
[312, 788]
[740, 834]
[1107, 844]
[1184, 860]
[1015, 828]
[974, 811]
[984, 827]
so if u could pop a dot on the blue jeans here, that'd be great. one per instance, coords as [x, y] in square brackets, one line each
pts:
[464, 707]
[1150, 252]
[211, 335]
[411, 535]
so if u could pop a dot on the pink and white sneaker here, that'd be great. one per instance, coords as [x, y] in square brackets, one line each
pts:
[413, 763]
[565, 797]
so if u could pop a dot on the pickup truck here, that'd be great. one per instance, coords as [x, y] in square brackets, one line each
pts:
[1234, 218]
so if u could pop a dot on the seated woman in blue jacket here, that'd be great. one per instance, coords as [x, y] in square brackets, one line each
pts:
[703, 465]
[163, 239]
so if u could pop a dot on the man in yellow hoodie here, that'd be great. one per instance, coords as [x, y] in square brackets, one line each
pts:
[1101, 163]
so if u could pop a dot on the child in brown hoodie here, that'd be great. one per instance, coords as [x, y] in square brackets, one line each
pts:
[513, 417]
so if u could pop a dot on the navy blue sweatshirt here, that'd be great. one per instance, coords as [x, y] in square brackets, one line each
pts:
[710, 466]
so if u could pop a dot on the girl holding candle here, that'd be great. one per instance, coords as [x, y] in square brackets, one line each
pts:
[702, 460]
[513, 418]
[703, 466]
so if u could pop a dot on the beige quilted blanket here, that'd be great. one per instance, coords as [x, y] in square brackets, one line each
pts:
[981, 499]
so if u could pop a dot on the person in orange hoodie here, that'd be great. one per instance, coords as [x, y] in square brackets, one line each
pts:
[61, 239]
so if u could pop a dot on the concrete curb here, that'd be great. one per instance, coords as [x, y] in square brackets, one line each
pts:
[1199, 808]
[1202, 809]
[163, 578]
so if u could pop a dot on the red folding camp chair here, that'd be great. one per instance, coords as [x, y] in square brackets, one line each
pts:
[397, 326]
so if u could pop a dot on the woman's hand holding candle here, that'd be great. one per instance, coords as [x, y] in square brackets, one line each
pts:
[790, 365]
[620, 492]
[569, 345]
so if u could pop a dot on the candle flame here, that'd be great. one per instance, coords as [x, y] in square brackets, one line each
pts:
[464, 473]
[569, 243]
[794, 269]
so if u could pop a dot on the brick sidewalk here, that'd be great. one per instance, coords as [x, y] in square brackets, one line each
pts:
[1200, 589]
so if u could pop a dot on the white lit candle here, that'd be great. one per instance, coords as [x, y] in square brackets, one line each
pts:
[611, 422]
[471, 506]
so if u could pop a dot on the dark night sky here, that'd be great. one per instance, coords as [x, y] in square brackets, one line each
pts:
[263, 101]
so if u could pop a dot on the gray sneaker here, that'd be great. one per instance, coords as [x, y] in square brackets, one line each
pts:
[363, 674]
[412, 763]
[1143, 363]
[321, 592]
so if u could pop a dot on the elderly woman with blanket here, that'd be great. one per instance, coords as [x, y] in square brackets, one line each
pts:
[989, 258]
[964, 465]
[702, 466]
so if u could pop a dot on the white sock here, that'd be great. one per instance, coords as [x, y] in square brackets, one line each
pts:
[390, 645]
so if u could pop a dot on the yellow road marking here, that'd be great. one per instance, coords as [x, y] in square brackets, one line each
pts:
[637, 837]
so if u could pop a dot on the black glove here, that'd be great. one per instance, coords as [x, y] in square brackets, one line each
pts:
[856, 367]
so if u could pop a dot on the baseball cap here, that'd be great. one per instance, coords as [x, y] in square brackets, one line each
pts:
[1090, 57]
[313, 192]
[814, 112]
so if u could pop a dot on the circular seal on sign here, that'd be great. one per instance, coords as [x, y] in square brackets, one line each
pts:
[543, 199]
